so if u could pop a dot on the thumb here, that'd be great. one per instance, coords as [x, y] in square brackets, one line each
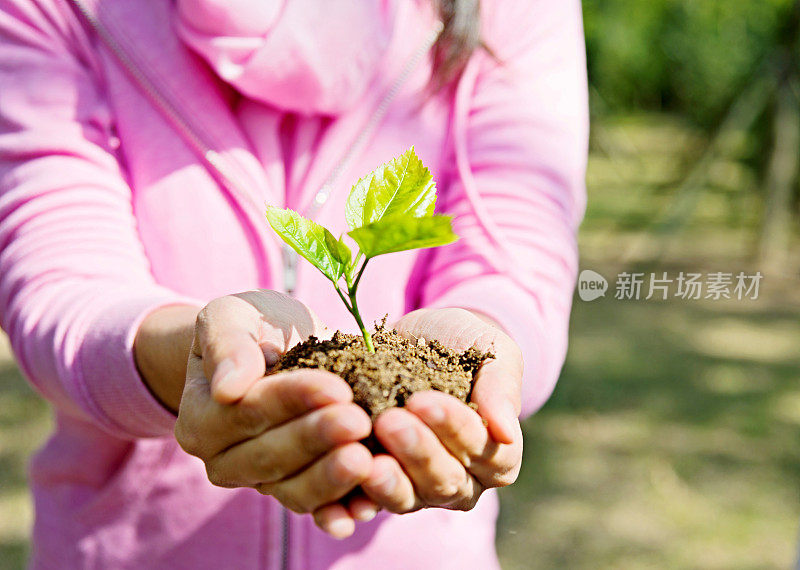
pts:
[497, 395]
[227, 340]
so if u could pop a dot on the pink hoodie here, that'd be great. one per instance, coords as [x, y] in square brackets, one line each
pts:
[139, 142]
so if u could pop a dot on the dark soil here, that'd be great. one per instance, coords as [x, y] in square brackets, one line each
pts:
[398, 367]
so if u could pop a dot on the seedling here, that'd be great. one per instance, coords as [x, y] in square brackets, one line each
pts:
[389, 210]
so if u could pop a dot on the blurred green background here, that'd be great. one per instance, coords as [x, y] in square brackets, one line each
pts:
[673, 438]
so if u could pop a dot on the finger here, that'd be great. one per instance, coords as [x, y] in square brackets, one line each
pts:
[362, 508]
[289, 322]
[284, 396]
[206, 427]
[285, 450]
[335, 520]
[325, 481]
[439, 478]
[497, 394]
[497, 387]
[457, 426]
[456, 328]
[197, 429]
[389, 487]
[227, 335]
[462, 432]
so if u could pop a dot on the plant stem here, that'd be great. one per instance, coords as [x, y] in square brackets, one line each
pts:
[357, 315]
[351, 290]
[343, 298]
[354, 286]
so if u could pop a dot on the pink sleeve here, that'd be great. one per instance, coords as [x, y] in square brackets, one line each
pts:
[74, 279]
[517, 184]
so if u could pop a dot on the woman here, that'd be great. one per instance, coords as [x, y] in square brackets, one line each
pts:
[139, 143]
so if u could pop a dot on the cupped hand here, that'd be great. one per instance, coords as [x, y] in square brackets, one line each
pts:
[441, 452]
[293, 435]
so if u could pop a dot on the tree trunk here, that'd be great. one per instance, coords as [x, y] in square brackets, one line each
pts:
[781, 179]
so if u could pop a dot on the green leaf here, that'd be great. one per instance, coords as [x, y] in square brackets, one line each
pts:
[311, 240]
[340, 250]
[403, 232]
[344, 256]
[401, 186]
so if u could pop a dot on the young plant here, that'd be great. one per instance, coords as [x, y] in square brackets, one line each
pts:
[389, 210]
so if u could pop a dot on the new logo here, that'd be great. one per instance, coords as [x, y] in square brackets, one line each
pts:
[591, 285]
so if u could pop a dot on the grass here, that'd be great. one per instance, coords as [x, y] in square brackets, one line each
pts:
[673, 437]
[24, 425]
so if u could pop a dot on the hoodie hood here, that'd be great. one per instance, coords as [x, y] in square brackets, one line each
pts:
[305, 56]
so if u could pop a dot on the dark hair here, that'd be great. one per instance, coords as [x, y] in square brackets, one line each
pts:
[459, 39]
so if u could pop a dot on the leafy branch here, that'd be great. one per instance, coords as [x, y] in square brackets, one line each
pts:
[389, 210]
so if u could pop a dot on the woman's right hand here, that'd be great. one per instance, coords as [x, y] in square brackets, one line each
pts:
[293, 435]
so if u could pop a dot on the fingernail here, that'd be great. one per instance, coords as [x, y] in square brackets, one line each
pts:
[405, 438]
[386, 482]
[434, 414]
[225, 372]
[509, 418]
[366, 514]
[319, 398]
[341, 528]
[352, 423]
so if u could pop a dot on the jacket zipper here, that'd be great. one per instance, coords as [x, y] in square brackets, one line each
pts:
[215, 162]
[321, 197]
[290, 256]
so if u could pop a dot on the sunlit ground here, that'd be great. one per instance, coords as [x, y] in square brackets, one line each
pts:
[673, 438]
[673, 441]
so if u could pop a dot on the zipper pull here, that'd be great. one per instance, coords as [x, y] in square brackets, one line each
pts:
[289, 270]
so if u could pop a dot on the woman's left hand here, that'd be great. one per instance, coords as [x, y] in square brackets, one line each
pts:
[443, 454]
